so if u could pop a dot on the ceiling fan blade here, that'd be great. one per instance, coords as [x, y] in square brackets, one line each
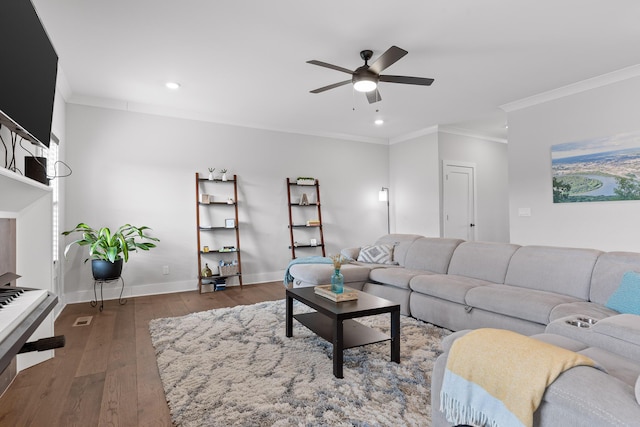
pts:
[407, 80]
[333, 67]
[373, 96]
[390, 57]
[322, 89]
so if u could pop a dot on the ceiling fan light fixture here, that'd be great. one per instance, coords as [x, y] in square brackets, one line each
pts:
[365, 85]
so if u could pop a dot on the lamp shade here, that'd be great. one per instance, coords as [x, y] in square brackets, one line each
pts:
[383, 195]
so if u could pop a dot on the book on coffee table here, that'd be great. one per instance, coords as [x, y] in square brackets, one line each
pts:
[347, 294]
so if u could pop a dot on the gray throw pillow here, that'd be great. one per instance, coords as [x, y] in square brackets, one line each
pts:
[377, 254]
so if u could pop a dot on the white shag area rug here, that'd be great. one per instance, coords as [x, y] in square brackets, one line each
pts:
[236, 367]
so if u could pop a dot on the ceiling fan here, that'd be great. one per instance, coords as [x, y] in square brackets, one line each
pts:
[366, 78]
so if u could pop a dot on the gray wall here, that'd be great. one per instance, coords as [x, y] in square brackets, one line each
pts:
[415, 186]
[416, 171]
[139, 168]
[599, 112]
[492, 189]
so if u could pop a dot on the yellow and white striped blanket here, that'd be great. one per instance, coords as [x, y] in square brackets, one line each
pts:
[496, 377]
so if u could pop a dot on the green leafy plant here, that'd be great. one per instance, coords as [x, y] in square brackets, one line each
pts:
[111, 246]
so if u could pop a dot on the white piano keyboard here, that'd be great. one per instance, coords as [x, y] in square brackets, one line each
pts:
[15, 308]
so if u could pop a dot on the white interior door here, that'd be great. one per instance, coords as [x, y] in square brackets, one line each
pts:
[459, 200]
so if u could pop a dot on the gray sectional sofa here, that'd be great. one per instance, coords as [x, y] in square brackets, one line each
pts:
[533, 290]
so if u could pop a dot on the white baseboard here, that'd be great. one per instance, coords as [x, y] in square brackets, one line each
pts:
[111, 290]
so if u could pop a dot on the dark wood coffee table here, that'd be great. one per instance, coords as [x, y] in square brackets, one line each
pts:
[334, 322]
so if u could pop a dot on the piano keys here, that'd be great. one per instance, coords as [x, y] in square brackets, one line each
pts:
[21, 312]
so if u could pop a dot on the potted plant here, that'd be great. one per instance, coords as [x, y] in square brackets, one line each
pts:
[109, 250]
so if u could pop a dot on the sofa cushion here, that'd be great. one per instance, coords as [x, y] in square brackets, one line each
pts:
[553, 269]
[482, 260]
[402, 242]
[398, 277]
[431, 254]
[626, 299]
[528, 304]
[445, 286]
[608, 273]
[377, 254]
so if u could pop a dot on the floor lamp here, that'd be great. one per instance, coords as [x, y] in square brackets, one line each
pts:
[383, 196]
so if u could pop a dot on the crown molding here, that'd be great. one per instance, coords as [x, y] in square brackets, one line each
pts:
[470, 133]
[413, 135]
[115, 104]
[574, 88]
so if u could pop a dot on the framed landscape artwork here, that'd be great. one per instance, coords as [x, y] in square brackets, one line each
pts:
[597, 170]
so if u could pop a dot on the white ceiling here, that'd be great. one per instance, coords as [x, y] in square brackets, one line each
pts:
[244, 62]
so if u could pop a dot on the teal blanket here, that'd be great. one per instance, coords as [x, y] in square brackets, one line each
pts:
[288, 278]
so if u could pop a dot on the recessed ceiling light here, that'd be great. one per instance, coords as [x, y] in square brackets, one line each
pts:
[379, 122]
[173, 85]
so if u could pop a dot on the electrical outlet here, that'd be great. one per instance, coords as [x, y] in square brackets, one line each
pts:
[165, 269]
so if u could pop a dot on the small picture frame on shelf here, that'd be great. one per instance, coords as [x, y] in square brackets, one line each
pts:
[205, 199]
[230, 223]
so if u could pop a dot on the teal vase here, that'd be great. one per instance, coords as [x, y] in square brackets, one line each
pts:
[337, 282]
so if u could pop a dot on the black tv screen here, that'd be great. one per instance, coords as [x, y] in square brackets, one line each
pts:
[28, 69]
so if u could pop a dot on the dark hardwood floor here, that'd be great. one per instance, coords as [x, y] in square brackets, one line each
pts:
[107, 373]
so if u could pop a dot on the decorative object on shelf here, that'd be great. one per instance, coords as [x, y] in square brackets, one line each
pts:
[220, 284]
[228, 270]
[224, 174]
[230, 201]
[325, 291]
[205, 249]
[303, 180]
[206, 271]
[313, 223]
[205, 199]
[313, 242]
[304, 200]
[111, 247]
[230, 223]
[211, 173]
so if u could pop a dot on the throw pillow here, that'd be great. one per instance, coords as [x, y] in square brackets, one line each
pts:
[377, 254]
[626, 299]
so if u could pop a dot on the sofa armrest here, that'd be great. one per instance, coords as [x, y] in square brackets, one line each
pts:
[623, 327]
[350, 253]
[619, 334]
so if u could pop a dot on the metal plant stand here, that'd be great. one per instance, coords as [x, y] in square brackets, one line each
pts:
[94, 302]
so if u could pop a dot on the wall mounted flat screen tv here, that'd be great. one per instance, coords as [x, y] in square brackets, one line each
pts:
[28, 69]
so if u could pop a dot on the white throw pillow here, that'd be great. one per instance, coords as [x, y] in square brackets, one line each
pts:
[376, 254]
